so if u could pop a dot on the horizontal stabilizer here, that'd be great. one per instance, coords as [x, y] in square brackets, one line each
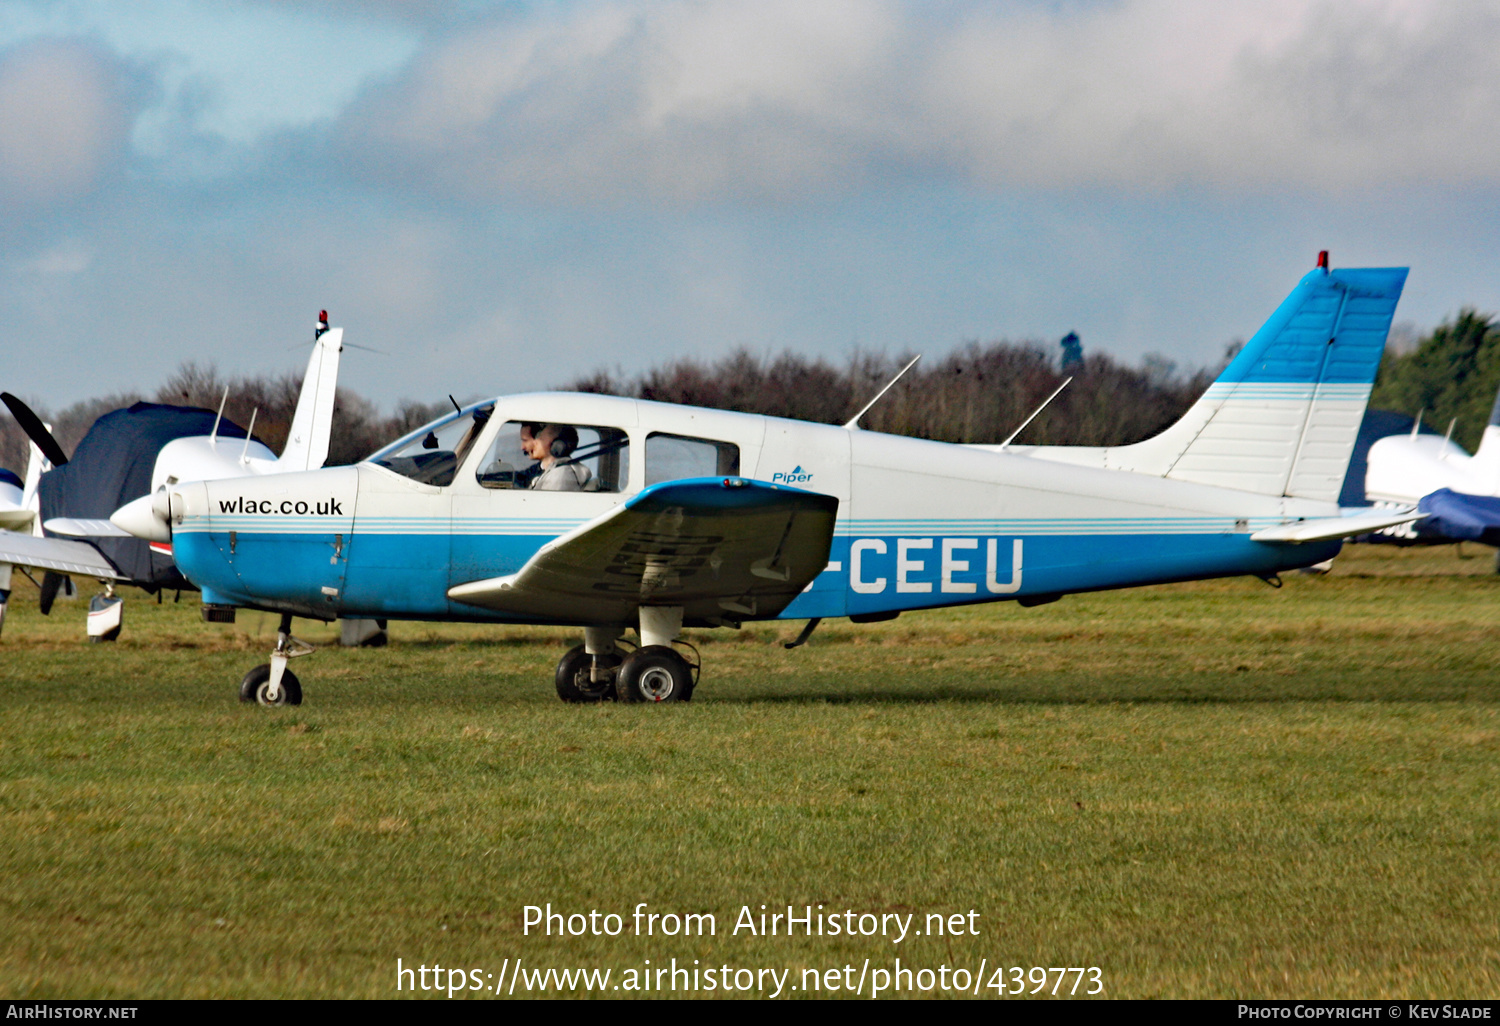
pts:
[59, 554]
[721, 548]
[1333, 528]
[78, 527]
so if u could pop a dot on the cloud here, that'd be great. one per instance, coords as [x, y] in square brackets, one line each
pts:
[66, 258]
[713, 100]
[64, 119]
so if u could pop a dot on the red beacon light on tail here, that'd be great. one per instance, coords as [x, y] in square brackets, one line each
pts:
[1322, 262]
[322, 325]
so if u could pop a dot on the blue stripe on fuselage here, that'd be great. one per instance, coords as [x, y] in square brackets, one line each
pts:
[406, 577]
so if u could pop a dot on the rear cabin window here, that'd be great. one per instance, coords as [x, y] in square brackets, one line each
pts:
[673, 457]
[578, 458]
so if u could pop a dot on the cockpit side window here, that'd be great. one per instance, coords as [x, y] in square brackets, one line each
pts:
[431, 455]
[554, 457]
[673, 457]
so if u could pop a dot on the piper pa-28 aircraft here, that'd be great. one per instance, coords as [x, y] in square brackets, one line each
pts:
[658, 517]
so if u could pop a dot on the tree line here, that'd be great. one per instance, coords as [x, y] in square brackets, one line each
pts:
[979, 392]
[359, 427]
[1451, 376]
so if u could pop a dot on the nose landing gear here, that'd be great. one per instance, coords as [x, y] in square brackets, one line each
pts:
[272, 683]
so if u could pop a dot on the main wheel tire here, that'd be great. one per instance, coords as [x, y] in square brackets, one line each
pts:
[655, 673]
[257, 681]
[575, 676]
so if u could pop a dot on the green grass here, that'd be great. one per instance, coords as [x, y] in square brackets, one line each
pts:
[1214, 789]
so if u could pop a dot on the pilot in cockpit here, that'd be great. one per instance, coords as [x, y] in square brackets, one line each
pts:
[551, 445]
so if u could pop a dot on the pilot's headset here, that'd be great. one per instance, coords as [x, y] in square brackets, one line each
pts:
[565, 442]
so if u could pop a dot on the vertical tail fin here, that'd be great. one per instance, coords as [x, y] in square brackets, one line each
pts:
[312, 423]
[37, 464]
[1486, 465]
[1282, 418]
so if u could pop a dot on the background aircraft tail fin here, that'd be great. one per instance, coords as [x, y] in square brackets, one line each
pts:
[312, 423]
[1282, 418]
[37, 464]
[1486, 463]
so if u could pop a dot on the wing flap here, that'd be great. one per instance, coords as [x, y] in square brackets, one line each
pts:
[58, 554]
[721, 548]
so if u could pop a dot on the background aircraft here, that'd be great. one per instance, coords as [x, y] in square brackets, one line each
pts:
[21, 538]
[1459, 493]
[132, 452]
[694, 517]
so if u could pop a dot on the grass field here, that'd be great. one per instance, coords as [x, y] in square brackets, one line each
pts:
[1214, 789]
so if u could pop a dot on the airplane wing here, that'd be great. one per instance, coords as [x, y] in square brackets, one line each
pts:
[1331, 528]
[724, 549]
[65, 557]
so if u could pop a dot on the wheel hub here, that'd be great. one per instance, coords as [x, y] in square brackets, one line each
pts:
[656, 684]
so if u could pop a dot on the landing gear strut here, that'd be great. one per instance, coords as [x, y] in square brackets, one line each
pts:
[272, 683]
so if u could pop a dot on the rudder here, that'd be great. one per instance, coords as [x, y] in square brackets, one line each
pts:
[1283, 417]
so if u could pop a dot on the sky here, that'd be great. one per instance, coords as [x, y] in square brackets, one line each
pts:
[505, 196]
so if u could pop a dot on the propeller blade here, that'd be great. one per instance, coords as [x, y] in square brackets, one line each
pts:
[51, 584]
[32, 425]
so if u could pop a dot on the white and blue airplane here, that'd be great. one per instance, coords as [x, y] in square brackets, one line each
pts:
[680, 517]
[1459, 493]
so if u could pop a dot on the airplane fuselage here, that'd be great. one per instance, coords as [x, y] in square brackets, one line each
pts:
[920, 523]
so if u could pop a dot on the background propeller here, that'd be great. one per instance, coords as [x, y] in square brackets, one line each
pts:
[35, 429]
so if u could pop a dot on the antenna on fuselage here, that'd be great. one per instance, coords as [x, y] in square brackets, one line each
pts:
[1449, 436]
[854, 421]
[1417, 426]
[213, 436]
[245, 452]
[1039, 409]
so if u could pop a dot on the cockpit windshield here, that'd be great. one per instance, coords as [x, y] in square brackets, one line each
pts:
[432, 454]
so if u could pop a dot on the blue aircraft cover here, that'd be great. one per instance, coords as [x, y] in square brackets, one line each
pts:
[112, 466]
[1460, 517]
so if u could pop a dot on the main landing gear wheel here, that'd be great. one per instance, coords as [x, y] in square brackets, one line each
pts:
[575, 676]
[258, 681]
[654, 673]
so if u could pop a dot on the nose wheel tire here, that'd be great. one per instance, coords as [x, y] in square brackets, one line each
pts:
[575, 676]
[655, 673]
[258, 681]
